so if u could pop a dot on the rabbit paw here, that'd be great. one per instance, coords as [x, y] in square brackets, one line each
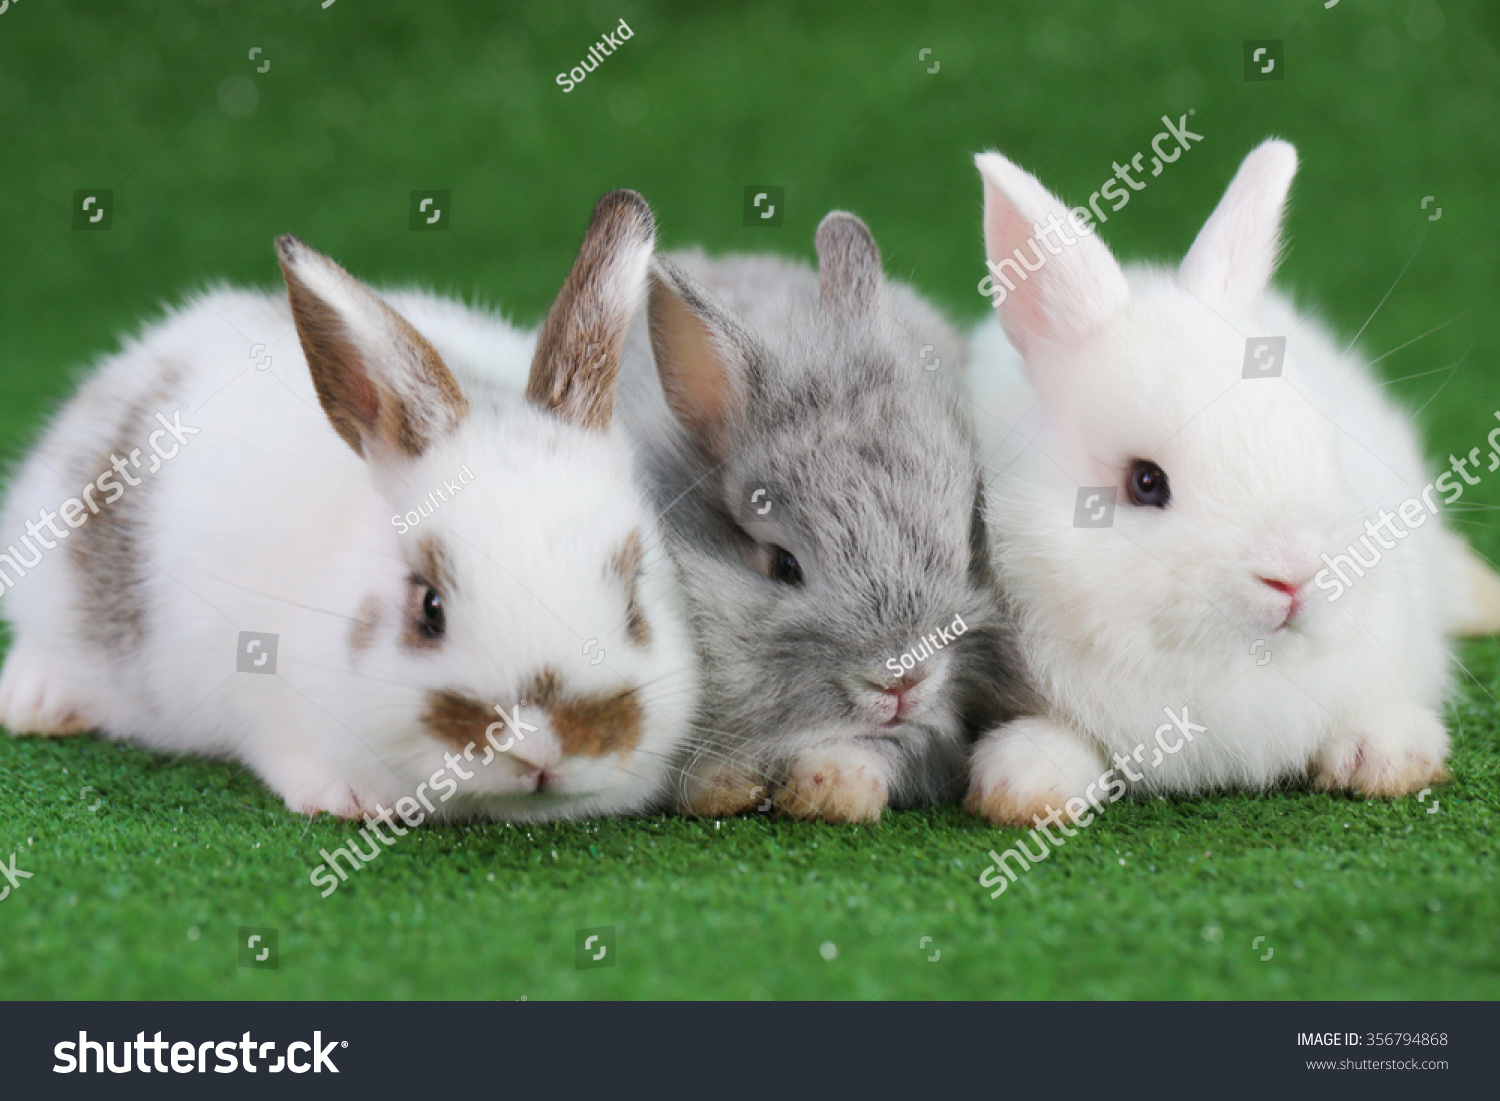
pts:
[719, 791]
[34, 699]
[1027, 769]
[842, 783]
[1388, 760]
[336, 797]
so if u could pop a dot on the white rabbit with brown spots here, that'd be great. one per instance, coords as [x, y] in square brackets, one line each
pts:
[519, 652]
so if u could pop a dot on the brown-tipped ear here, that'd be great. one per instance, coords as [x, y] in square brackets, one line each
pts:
[849, 274]
[704, 357]
[384, 388]
[578, 353]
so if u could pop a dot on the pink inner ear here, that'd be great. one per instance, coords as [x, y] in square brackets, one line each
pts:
[1022, 312]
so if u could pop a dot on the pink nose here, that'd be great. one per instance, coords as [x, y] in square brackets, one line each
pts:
[901, 692]
[1288, 589]
[1282, 586]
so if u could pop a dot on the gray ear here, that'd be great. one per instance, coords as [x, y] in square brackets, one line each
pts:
[849, 276]
[577, 361]
[385, 389]
[704, 356]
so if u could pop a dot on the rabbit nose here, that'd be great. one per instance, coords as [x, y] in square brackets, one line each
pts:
[902, 696]
[533, 753]
[1291, 589]
[899, 691]
[1286, 588]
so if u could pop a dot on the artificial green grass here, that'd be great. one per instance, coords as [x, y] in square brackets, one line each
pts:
[143, 897]
[141, 882]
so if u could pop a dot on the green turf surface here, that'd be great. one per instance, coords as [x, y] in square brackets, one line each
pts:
[141, 882]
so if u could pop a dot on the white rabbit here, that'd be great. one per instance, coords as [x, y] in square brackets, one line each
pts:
[1200, 618]
[454, 567]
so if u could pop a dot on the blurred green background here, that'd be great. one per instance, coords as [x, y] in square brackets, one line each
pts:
[208, 158]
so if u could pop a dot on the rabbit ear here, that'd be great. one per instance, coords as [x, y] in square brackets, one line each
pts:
[704, 356]
[384, 388]
[1236, 252]
[849, 276]
[1048, 291]
[577, 362]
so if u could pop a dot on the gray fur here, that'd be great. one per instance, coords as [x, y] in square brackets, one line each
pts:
[871, 467]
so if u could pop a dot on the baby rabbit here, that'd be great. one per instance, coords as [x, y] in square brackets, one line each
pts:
[430, 561]
[1173, 507]
[821, 495]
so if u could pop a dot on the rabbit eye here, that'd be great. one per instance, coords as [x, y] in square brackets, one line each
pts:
[784, 567]
[1148, 484]
[434, 620]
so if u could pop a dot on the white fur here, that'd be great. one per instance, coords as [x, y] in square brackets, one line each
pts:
[1164, 609]
[267, 521]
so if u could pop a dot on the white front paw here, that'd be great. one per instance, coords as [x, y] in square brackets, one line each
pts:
[1385, 755]
[336, 797]
[1028, 768]
[34, 698]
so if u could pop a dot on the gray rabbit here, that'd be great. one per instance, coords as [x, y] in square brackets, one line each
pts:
[822, 498]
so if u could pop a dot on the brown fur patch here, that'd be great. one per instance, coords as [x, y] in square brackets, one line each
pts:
[366, 624]
[430, 568]
[593, 726]
[585, 726]
[413, 634]
[627, 564]
[432, 564]
[545, 689]
[455, 719]
[582, 342]
[360, 404]
[108, 551]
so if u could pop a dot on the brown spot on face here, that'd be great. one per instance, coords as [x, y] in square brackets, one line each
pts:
[584, 726]
[583, 339]
[545, 689]
[432, 564]
[430, 569]
[400, 392]
[455, 719]
[594, 726]
[414, 635]
[366, 625]
[627, 564]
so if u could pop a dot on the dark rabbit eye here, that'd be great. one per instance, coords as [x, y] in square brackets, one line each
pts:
[784, 567]
[1148, 484]
[434, 622]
